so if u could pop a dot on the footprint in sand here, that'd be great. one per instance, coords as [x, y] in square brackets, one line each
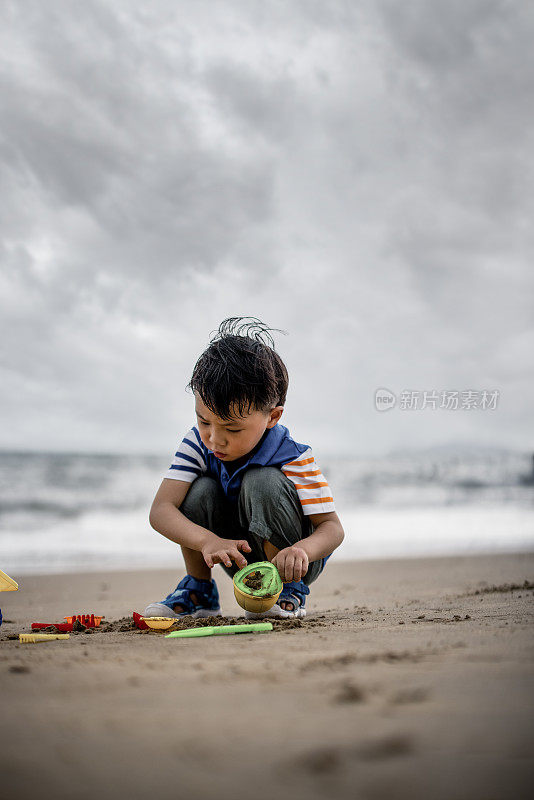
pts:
[326, 760]
[387, 747]
[415, 694]
[322, 761]
[350, 693]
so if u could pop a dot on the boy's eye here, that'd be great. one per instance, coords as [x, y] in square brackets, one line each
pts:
[228, 429]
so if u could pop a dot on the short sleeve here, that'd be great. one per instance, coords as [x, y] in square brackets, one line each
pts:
[312, 488]
[189, 461]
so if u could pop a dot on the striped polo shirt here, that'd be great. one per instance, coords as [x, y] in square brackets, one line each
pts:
[276, 448]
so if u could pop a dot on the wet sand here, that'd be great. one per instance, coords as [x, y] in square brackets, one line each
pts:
[407, 679]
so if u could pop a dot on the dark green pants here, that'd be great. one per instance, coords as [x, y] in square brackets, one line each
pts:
[268, 508]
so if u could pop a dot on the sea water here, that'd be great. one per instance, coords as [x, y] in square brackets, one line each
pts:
[85, 512]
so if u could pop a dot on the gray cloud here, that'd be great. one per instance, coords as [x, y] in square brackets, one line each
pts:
[357, 174]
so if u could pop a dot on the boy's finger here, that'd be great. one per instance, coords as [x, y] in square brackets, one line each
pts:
[239, 559]
[224, 559]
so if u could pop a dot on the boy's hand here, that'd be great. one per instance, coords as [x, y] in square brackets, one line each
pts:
[224, 551]
[291, 563]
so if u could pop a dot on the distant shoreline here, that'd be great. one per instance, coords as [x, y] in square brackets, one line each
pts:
[110, 570]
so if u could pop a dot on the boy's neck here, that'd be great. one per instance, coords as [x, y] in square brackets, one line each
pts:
[231, 466]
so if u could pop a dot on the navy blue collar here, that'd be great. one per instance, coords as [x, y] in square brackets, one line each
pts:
[275, 448]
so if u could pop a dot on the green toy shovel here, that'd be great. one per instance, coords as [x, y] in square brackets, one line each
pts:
[221, 630]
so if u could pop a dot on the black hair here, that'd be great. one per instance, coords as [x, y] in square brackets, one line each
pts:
[239, 368]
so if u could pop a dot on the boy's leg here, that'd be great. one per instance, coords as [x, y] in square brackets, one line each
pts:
[203, 504]
[270, 552]
[269, 509]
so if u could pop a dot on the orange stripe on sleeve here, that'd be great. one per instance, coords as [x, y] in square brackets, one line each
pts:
[310, 485]
[302, 474]
[317, 500]
[300, 463]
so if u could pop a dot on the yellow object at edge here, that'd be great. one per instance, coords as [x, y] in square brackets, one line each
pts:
[7, 584]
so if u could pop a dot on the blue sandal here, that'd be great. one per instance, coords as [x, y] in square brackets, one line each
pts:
[293, 592]
[207, 595]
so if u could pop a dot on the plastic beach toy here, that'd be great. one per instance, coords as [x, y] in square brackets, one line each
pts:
[139, 621]
[7, 584]
[89, 620]
[257, 586]
[159, 623]
[41, 637]
[61, 627]
[221, 630]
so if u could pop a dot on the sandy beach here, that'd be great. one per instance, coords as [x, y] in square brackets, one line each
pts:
[407, 679]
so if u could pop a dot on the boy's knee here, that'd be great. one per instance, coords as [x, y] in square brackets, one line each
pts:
[269, 507]
[201, 490]
[263, 481]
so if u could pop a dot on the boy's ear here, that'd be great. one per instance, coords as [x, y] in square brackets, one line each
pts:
[275, 415]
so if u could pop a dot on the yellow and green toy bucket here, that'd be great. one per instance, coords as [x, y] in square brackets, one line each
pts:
[257, 586]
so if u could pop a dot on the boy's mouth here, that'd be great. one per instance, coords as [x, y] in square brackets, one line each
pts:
[219, 455]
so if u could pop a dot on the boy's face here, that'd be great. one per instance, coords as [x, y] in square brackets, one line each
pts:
[232, 439]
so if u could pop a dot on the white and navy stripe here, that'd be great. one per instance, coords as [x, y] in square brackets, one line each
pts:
[189, 460]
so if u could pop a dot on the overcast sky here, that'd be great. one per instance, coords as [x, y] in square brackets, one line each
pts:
[358, 174]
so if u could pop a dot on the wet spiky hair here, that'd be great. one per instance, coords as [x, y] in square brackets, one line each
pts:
[240, 369]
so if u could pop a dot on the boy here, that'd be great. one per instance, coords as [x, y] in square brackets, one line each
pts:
[240, 489]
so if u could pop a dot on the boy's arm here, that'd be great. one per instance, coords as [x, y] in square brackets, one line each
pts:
[166, 518]
[327, 535]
